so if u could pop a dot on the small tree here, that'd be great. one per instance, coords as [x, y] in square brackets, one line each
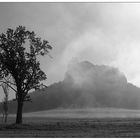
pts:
[19, 53]
[5, 101]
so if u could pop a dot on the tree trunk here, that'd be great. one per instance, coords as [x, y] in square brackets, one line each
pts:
[19, 112]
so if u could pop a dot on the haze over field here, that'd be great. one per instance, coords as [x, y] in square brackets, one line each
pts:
[86, 113]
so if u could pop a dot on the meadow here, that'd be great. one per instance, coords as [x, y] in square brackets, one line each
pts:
[82, 123]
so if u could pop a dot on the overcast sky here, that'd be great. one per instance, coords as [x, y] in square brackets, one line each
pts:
[103, 33]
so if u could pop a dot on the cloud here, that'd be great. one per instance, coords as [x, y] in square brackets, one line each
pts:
[128, 61]
[112, 40]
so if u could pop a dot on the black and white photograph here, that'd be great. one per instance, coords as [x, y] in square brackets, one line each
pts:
[69, 70]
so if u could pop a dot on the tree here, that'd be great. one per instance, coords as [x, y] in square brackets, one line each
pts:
[19, 53]
[5, 101]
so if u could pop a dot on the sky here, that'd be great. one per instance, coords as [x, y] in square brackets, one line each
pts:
[102, 33]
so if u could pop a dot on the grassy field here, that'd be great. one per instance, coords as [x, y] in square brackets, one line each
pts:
[82, 123]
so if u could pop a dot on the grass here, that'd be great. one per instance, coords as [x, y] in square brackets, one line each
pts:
[39, 126]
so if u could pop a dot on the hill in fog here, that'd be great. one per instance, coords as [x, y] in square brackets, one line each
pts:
[86, 85]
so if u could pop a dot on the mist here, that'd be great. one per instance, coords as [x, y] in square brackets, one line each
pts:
[109, 35]
[108, 38]
[98, 85]
[85, 86]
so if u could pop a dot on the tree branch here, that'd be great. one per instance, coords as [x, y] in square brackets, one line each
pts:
[8, 85]
[28, 82]
[9, 81]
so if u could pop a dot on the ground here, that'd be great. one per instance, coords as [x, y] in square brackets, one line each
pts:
[35, 126]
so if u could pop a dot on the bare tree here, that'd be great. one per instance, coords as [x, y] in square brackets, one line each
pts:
[5, 102]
